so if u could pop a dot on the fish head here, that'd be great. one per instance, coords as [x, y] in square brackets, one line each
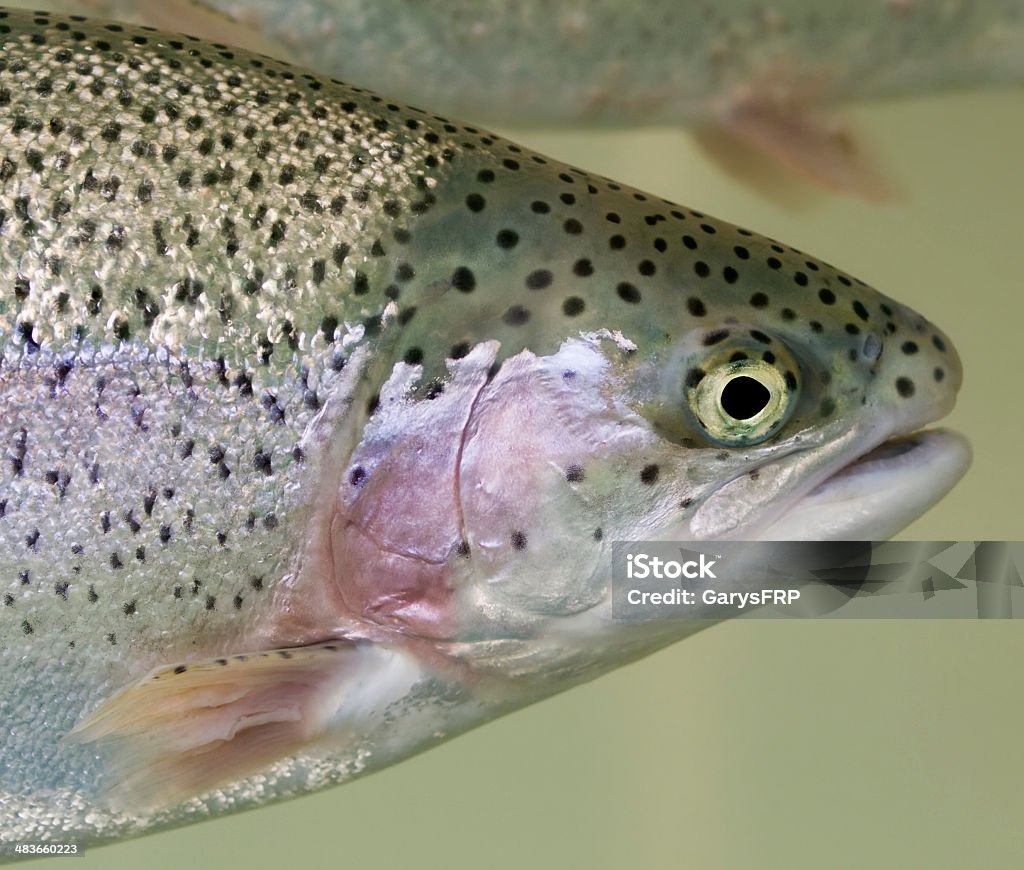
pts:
[625, 370]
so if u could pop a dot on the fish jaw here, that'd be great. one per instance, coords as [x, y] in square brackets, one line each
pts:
[848, 489]
[878, 494]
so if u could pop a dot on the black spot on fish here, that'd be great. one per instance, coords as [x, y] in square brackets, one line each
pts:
[463, 280]
[539, 279]
[583, 268]
[261, 461]
[573, 306]
[628, 293]
[507, 239]
[517, 315]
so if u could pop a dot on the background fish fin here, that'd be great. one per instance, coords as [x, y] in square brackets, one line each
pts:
[185, 729]
[819, 148]
[756, 169]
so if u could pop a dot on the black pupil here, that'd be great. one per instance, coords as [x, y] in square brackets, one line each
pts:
[744, 397]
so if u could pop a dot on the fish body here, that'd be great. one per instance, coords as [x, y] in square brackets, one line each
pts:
[616, 62]
[320, 415]
[754, 79]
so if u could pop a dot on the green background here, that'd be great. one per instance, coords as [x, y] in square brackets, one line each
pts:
[754, 744]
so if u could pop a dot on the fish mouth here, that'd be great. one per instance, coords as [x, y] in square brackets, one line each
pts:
[879, 492]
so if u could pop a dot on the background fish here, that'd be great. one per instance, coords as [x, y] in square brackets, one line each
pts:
[300, 332]
[756, 79]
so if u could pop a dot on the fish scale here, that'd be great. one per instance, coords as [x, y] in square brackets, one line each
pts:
[285, 364]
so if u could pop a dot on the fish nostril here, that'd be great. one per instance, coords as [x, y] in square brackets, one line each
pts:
[871, 347]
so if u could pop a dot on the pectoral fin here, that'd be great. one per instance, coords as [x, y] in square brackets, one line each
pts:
[185, 729]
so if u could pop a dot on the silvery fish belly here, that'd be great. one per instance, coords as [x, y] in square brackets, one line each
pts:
[319, 415]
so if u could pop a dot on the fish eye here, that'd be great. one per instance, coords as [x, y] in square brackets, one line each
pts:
[741, 402]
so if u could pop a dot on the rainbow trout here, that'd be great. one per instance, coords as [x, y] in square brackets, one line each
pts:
[320, 413]
[761, 78]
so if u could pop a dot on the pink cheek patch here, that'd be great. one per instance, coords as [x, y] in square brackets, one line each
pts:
[393, 537]
[396, 534]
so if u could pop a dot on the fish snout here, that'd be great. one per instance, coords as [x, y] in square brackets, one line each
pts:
[920, 370]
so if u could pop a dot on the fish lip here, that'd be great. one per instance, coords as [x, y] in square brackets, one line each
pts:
[880, 491]
[831, 469]
[887, 450]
